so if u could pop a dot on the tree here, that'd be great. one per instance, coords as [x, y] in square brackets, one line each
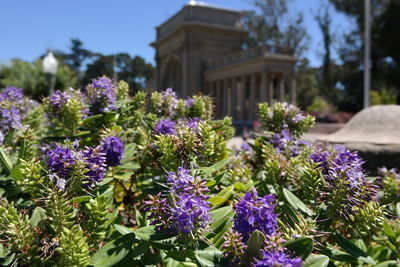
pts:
[31, 77]
[136, 71]
[385, 66]
[270, 25]
[324, 21]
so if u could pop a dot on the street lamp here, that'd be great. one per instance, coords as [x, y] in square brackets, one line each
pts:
[50, 65]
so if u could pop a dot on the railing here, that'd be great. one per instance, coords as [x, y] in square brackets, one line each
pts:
[247, 54]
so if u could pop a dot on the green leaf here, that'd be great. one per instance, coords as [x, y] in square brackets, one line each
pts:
[296, 202]
[388, 230]
[3, 251]
[216, 167]
[221, 197]
[114, 251]
[92, 118]
[240, 187]
[255, 244]
[5, 160]
[82, 133]
[208, 257]
[398, 209]
[129, 166]
[301, 246]
[149, 233]
[123, 229]
[129, 150]
[387, 264]
[316, 261]
[349, 246]
[16, 173]
[81, 199]
[38, 215]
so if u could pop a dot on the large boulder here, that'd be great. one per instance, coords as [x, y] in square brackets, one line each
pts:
[375, 133]
[374, 125]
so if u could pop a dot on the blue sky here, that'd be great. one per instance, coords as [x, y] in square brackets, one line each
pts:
[30, 27]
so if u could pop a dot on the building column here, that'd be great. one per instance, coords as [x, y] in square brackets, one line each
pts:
[252, 95]
[219, 99]
[271, 90]
[264, 86]
[292, 89]
[235, 86]
[281, 88]
[224, 97]
[242, 98]
[229, 98]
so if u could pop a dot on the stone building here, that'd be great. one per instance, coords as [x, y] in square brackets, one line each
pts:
[199, 50]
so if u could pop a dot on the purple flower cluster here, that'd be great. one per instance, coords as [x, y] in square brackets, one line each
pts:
[113, 148]
[165, 126]
[95, 164]
[277, 258]
[102, 94]
[58, 99]
[62, 161]
[339, 163]
[193, 123]
[12, 94]
[245, 147]
[10, 119]
[189, 102]
[255, 213]
[190, 212]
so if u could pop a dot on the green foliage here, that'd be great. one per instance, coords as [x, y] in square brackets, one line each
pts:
[73, 248]
[31, 77]
[17, 232]
[383, 97]
[320, 105]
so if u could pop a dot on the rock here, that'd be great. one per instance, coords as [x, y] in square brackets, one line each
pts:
[374, 125]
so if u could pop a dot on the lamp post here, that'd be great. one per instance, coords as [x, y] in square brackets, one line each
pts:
[50, 65]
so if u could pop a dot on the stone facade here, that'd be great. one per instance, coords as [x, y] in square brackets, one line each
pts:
[198, 50]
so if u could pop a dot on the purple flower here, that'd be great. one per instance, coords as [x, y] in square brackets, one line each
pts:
[61, 183]
[190, 210]
[245, 146]
[255, 213]
[168, 102]
[181, 182]
[95, 164]
[1, 137]
[113, 148]
[102, 94]
[60, 161]
[165, 126]
[277, 258]
[193, 123]
[12, 94]
[58, 99]
[190, 213]
[160, 210]
[10, 119]
[189, 102]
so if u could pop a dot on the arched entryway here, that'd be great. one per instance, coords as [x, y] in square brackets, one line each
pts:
[172, 77]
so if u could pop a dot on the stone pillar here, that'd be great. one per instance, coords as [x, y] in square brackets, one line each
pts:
[292, 89]
[229, 98]
[236, 102]
[225, 97]
[219, 99]
[264, 86]
[281, 88]
[271, 90]
[242, 98]
[253, 89]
